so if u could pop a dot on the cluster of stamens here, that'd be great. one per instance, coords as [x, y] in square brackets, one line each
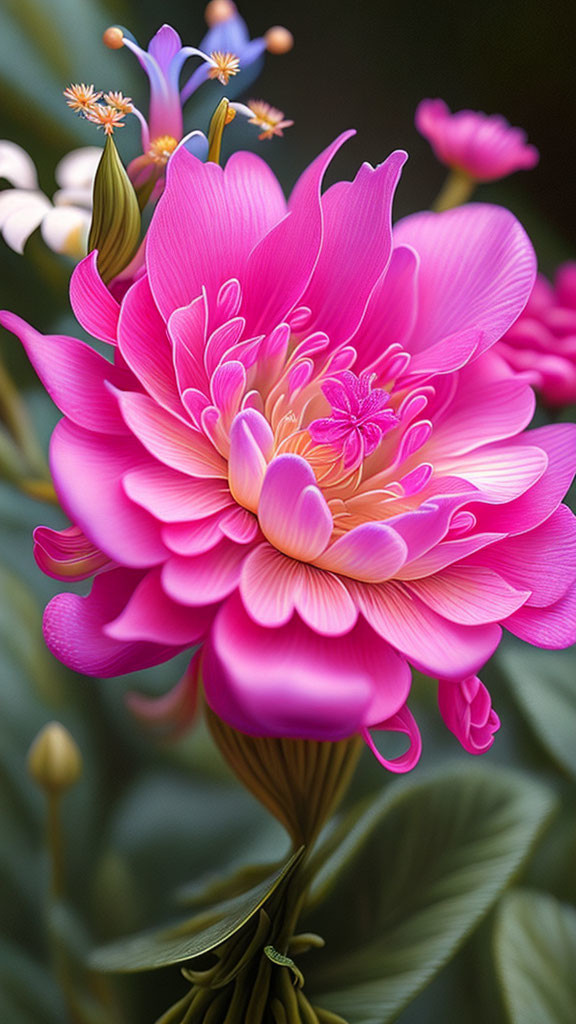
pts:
[223, 66]
[269, 118]
[108, 114]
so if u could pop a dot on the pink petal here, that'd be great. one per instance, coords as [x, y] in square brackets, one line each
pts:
[281, 265]
[173, 497]
[356, 247]
[483, 411]
[210, 219]
[433, 644]
[273, 586]
[144, 344]
[251, 447]
[292, 511]
[542, 560]
[500, 472]
[477, 268]
[74, 376]
[402, 721]
[87, 471]
[74, 629]
[292, 682]
[466, 708]
[187, 328]
[391, 311]
[67, 554]
[446, 553]
[95, 309]
[169, 439]
[206, 578]
[150, 615]
[372, 552]
[469, 594]
[553, 627]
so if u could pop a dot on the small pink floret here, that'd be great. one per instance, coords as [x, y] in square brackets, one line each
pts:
[359, 417]
[467, 711]
[484, 146]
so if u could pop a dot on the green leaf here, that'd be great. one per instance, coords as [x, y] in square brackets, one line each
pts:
[414, 876]
[115, 228]
[535, 948]
[193, 937]
[545, 688]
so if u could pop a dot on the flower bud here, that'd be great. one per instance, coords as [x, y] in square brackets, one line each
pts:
[115, 228]
[218, 11]
[54, 759]
[113, 38]
[466, 708]
[279, 40]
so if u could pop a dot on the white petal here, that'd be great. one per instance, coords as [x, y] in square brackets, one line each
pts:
[73, 197]
[23, 220]
[77, 169]
[65, 230]
[16, 166]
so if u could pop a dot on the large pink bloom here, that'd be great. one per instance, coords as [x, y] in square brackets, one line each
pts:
[542, 342]
[304, 456]
[483, 146]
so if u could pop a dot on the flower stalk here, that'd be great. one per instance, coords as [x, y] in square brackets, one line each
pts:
[457, 189]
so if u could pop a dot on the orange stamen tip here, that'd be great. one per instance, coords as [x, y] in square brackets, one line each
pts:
[82, 98]
[278, 40]
[223, 66]
[161, 149]
[218, 11]
[113, 38]
[269, 118]
[230, 115]
[107, 118]
[119, 102]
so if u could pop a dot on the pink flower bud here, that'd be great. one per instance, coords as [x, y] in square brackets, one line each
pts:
[466, 708]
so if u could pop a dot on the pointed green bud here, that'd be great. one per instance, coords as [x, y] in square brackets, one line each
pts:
[115, 228]
[54, 759]
[222, 116]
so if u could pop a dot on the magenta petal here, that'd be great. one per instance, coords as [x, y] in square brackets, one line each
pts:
[404, 722]
[281, 265]
[356, 247]
[150, 615]
[251, 447]
[205, 578]
[74, 376]
[477, 268]
[95, 309]
[293, 682]
[372, 552]
[174, 497]
[553, 627]
[392, 308]
[145, 346]
[292, 511]
[87, 471]
[469, 594]
[74, 629]
[67, 554]
[432, 643]
[466, 708]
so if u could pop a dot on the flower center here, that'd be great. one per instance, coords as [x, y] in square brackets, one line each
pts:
[359, 417]
[161, 149]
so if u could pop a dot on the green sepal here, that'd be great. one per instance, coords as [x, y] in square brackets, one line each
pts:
[193, 937]
[115, 228]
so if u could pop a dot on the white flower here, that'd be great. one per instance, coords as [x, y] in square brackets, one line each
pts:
[65, 219]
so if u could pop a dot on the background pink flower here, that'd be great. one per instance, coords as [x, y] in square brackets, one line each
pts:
[483, 146]
[314, 564]
[541, 344]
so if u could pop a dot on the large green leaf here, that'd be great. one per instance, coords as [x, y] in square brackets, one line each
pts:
[535, 948]
[193, 937]
[545, 688]
[416, 874]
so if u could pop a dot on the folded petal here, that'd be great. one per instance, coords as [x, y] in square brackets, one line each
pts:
[151, 616]
[372, 552]
[292, 682]
[553, 627]
[292, 511]
[95, 309]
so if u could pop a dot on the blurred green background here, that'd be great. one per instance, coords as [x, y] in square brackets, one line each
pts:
[149, 817]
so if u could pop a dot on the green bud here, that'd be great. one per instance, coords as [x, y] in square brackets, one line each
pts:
[220, 118]
[54, 759]
[115, 228]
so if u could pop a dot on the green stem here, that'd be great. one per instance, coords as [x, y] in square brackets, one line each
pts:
[55, 844]
[457, 189]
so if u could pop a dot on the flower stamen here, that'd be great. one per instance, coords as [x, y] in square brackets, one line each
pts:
[106, 117]
[82, 98]
[119, 102]
[359, 417]
[161, 149]
[269, 118]
[223, 66]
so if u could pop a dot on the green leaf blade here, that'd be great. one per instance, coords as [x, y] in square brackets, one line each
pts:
[535, 950]
[436, 858]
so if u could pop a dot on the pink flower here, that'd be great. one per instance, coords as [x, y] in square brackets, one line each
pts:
[467, 711]
[483, 146]
[304, 456]
[542, 343]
